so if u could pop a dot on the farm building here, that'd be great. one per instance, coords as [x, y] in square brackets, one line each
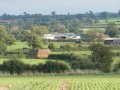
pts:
[49, 36]
[65, 36]
[112, 41]
[41, 53]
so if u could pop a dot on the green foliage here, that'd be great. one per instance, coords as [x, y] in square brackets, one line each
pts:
[76, 61]
[66, 47]
[2, 48]
[6, 38]
[111, 30]
[101, 56]
[55, 67]
[51, 46]
[95, 35]
[34, 37]
[50, 67]
[14, 66]
[116, 67]
[82, 63]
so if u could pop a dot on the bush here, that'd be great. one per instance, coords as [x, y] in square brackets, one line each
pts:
[14, 66]
[40, 67]
[51, 46]
[66, 47]
[55, 67]
[33, 68]
[18, 67]
[82, 63]
[116, 67]
[2, 68]
[76, 62]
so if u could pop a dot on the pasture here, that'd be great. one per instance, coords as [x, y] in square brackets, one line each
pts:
[28, 61]
[20, 45]
[61, 82]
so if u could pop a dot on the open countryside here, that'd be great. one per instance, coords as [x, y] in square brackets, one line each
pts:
[59, 45]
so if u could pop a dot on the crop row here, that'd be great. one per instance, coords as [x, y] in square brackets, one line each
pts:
[69, 85]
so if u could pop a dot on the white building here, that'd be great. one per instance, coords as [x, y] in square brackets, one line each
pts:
[65, 36]
[49, 36]
[77, 37]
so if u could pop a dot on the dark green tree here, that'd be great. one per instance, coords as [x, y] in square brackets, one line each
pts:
[111, 30]
[51, 46]
[101, 56]
[3, 48]
[5, 39]
[34, 37]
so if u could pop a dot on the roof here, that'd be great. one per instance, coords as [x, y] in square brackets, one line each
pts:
[112, 39]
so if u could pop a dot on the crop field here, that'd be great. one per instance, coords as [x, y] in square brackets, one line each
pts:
[61, 82]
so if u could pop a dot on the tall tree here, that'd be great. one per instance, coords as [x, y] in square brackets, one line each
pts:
[95, 35]
[5, 39]
[111, 29]
[34, 37]
[101, 56]
[53, 13]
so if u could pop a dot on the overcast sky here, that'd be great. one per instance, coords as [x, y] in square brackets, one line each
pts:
[60, 6]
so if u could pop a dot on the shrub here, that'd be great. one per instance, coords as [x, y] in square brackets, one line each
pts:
[76, 62]
[55, 67]
[33, 68]
[51, 46]
[2, 68]
[116, 67]
[14, 66]
[82, 63]
[40, 67]
[3, 48]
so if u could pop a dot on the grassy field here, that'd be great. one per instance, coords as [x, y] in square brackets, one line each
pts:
[28, 61]
[109, 20]
[17, 45]
[20, 45]
[61, 82]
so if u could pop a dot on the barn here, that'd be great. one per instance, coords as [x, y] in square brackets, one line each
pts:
[112, 41]
[39, 53]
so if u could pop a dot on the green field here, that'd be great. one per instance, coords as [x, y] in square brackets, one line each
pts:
[17, 45]
[21, 45]
[61, 82]
[28, 61]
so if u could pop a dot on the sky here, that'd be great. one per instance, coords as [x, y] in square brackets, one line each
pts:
[60, 6]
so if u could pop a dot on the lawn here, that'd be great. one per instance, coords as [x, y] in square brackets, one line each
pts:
[61, 82]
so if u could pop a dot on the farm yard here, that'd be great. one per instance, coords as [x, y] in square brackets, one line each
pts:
[61, 82]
